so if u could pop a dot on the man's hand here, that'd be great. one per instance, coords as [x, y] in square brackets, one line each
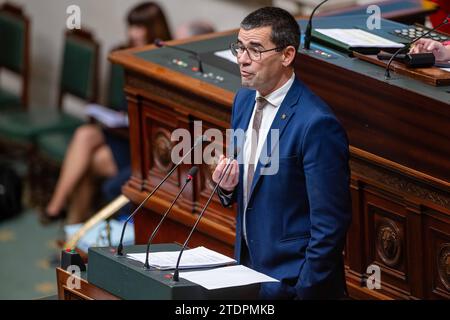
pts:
[231, 179]
[441, 52]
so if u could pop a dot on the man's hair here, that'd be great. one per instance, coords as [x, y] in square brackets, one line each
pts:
[285, 29]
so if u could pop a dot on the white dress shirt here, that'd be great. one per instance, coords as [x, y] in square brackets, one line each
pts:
[269, 112]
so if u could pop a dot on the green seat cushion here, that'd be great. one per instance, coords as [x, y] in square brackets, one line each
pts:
[26, 126]
[8, 100]
[54, 145]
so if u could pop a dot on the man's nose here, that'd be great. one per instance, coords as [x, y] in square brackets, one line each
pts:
[244, 58]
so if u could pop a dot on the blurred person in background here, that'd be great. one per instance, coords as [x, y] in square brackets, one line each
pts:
[439, 16]
[190, 29]
[94, 153]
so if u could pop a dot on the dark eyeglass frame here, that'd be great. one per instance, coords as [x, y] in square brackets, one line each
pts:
[260, 52]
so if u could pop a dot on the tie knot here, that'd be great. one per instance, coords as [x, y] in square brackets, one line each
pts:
[261, 102]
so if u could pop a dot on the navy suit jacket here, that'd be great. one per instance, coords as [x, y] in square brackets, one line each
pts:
[297, 219]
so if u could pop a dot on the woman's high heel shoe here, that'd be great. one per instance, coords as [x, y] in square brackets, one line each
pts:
[46, 218]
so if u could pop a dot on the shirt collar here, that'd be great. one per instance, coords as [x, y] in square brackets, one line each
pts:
[276, 97]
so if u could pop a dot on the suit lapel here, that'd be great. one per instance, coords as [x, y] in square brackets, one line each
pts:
[282, 118]
[248, 104]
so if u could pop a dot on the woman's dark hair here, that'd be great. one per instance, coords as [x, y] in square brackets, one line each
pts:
[150, 16]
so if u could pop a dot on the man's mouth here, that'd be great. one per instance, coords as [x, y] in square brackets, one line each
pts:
[245, 74]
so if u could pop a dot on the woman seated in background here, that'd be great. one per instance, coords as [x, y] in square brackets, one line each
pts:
[94, 153]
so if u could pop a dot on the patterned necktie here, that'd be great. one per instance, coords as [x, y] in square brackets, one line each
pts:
[260, 104]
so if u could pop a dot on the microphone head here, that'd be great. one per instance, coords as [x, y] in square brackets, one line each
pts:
[191, 174]
[193, 171]
[159, 43]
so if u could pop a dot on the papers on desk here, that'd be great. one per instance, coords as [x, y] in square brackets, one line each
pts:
[225, 277]
[107, 116]
[227, 55]
[357, 38]
[199, 257]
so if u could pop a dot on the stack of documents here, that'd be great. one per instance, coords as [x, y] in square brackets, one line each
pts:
[107, 116]
[199, 257]
[227, 55]
[231, 276]
[354, 40]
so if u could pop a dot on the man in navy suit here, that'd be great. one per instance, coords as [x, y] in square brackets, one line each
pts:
[292, 192]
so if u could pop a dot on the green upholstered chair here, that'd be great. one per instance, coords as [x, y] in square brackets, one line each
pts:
[79, 74]
[78, 77]
[14, 53]
[51, 147]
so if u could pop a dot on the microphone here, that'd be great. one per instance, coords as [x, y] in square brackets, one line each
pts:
[197, 141]
[387, 74]
[159, 43]
[416, 60]
[308, 32]
[191, 174]
[177, 267]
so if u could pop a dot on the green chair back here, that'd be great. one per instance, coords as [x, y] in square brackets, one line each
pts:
[116, 96]
[14, 52]
[79, 73]
[12, 35]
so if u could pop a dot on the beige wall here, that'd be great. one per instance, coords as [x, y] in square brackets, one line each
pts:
[106, 19]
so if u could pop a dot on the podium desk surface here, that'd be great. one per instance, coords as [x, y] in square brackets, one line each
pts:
[214, 66]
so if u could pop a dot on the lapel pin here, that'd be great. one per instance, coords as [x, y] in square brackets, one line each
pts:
[283, 116]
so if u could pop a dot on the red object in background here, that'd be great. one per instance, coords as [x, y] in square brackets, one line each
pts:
[439, 16]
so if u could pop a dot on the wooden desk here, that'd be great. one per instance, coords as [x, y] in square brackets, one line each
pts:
[400, 164]
[86, 291]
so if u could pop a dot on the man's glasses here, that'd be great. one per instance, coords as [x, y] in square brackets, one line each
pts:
[238, 49]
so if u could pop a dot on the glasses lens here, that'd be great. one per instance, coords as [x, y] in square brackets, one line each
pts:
[238, 49]
[254, 53]
[234, 49]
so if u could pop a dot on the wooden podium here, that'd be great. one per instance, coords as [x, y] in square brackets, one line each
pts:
[400, 151]
[160, 101]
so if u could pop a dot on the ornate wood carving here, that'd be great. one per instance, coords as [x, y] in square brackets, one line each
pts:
[162, 148]
[400, 184]
[388, 242]
[443, 265]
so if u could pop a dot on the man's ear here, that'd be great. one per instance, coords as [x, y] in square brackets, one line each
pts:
[288, 56]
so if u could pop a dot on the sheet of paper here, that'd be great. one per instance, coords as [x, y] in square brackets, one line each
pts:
[227, 55]
[199, 257]
[446, 69]
[225, 277]
[357, 38]
[107, 116]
